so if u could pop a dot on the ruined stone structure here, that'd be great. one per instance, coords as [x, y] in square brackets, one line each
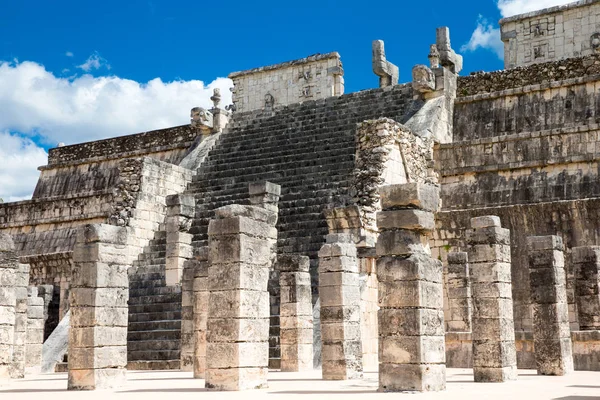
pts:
[520, 144]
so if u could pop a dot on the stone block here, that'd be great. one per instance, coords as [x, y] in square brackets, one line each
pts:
[339, 331]
[402, 243]
[490, 328]
[341, 350]
[411, 294]
[552, 242]
[236, 275]
[240, 248]
[412, 350]
[292, 263]
[339, 296]
[549, 294]
[100, 252]
[232, 330]
[493, 374]
[586, 254]
[238, 304]
[546, 259]
[493, 290]
[7, 296]
[296, 357]
[333, 370]
[492, 308]
[488, 235]
[486, 253]
[99, 297]
[237, 355]
[98, 336]
[485, 222]
[554, 357]
[338, 279]
[488, 272]
[494, 354]
[410, 219]
[93, 379]
[418, 266]
[296, 336]
[235, 379]
[96, 275]
[337, 264]
[411, 322]
[102, 233]
[458, 257]
[412, 377]
[97, 357]
[546, 277]
[420, 195]
[345, 313]
[295, 294]
[296, 309]
[265, 219]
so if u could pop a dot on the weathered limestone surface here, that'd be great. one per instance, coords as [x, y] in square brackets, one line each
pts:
[35, 329]
[586, 263]
[411, 317]
[551, 332]
[99, 293]
[551, 34]
[8, 268]
[458, 286]
[19, 350]
[494, 353]
[311, 78]
[200, 310]
[296, 323]
[240, 256]
[339, 294]
[388, 73]
[180, 211]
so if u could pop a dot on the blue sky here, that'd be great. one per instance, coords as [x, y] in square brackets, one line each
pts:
[72, 71]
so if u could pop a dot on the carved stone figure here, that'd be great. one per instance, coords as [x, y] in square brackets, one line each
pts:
[434, 56]
[423, 79]
[216, 97]
[595, 41]
[201, 118]
[388, 73]
[269, 101]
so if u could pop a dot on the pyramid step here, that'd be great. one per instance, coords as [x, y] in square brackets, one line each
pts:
[153, 355]
[154, 325]
[152, 345]
[155, 316]
[161, 334]
[154, 307]
[153, 365]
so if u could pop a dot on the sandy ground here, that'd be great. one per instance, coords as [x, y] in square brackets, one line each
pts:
[149, 385]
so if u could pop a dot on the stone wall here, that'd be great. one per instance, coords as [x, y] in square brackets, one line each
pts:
[311, 78]
[544, 106]
[553, 33]
[171, 142]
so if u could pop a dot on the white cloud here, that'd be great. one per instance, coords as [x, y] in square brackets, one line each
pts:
[95, 61]
[508, 8]
[19, 157]
[485, 36]
[69, 54]
[52, 109]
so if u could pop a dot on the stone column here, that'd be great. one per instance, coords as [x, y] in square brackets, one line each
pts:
[266, 195]
[201, 295]
[411, 315]
[296, 313]
[586, 263]
[180, 212]
[548, 283]
[8, 266]
[99, 294]
[339, 294]
[19, 353]
[240, 254]
[35, 330]
[494, 353]
[458, 287]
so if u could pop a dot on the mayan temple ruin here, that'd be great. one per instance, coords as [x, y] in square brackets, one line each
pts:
[391, 234]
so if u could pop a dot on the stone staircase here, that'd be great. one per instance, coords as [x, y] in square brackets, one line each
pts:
[306, 148]
[153, 340]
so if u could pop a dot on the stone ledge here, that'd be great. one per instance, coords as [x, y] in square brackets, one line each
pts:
[301, 61]
[546, 11]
